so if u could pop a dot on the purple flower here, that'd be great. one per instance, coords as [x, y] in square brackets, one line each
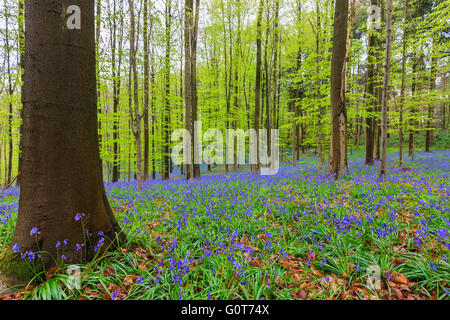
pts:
[34, 231]
[433, 266]
[114, 295]
[16, 248]
[139, 280]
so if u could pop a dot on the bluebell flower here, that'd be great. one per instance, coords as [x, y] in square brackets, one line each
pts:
[34, 231]
[16, 248]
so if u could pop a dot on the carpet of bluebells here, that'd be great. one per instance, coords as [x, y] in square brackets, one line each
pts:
[295, 235]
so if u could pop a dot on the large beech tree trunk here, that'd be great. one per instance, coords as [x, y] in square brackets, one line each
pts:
[61, 171]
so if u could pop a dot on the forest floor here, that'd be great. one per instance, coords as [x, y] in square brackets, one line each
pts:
[295, 235]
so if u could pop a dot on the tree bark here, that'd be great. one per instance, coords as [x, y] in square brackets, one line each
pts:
[434, 60]
[166, 124]
[370, 121]
[61, 174]
[387, 67]
[403, 85]
[338, 113]
[187, 84]
[116, 49]
[257, 115]
[194, 35]
[146, 92]
[135, 114]
[22, 65]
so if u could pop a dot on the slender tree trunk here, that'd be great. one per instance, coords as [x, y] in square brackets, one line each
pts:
[434, 60]
[146, 91]
[166, 124]
[153, 108]
[275, 67]
[413, 109]
[297, 95]
[10, 93]
[320, 134]
[370, 121]
[136, 118]
[403, 85]
[117, 80]
[194, 35]
[384, 119]
[267, 87]
[21, 20]
[188, 25]
[257, 115]
[98, 24]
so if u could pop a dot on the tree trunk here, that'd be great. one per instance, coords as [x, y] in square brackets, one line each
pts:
[22, 65]
[370, 121]
[320, 134]
[187, 84]
[194, 35]
[413, 111]
[153, 108]
[61, 174]
[267, 88]
[98, 25]
[146, 92]
[117, 80]
[387, 67]
[10, 90]
[136, 118]
[338, 113]
[403, 85]
[434, 60]
[275, 70]
[257, 116]
[166, 124]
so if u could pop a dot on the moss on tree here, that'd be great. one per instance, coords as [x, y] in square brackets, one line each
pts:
[14, 270]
